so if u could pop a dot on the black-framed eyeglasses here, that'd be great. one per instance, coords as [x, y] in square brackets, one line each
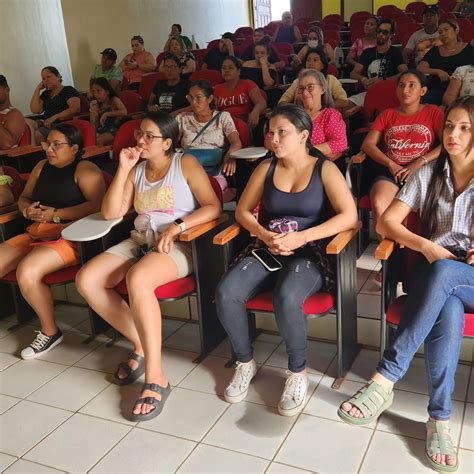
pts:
[310, 88]
[147, 136]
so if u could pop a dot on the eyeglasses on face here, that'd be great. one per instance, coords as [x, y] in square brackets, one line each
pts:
[380, 31]
[148, 137]
[197, 98]
[55, 146]
[310, 88]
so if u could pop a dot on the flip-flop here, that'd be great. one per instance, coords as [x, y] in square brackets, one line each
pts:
[132, 374]
[158, 404]
[439, 441]
[367, 401]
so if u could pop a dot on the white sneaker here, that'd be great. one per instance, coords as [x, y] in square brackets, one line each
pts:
[294, 394]
[41, 345]
[239, 385]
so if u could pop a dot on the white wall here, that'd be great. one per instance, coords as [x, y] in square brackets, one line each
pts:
[93, 25]
[31, 36]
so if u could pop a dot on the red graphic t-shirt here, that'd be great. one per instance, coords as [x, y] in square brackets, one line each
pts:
[237, 102]
[407, 137]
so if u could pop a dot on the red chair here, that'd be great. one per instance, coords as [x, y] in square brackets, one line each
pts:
[285, 49]
[148, 82]
[447, 5]
[386, 11]
[213, 44]
[320, 304]
[397, 264]
[244, 132]
[213, 77]
[447, 16]
[303, 26]
[26, 138]
[124, 138]
[87, 130]
[359, 16]
[208, 268]
[160, 58]
[404, 30]
[199, 55]
[17, 184]
[240, 48]
[333, 70]
[23, 310]
[244, 32]
[465, 29]
[271, 27]
[132, 100]
[333, 18]
[417, 9]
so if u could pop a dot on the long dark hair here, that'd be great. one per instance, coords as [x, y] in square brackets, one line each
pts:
[73, 137]
[322, 55]
[428, 218]
[169, 127]
[206, 89]
[54, 71]
[301, 121]
[105, 84]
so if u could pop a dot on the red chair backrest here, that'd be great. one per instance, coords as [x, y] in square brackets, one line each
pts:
[467, 33]
[244, 32]
[25, 139]
[271, 27]
[213, 44]
[107, 179]
[125, 83]
[334, 17]
[359, 16]
[333, 70]
[84, 103]
[404, 30]
[148, 82]
[416, 8]
[199, 54]
[132, 101]
[283, 48]
[380, 96]
[87, 130]
[217, 188]
[447, 5]
[244, 132]
[17, 185]
[160, 58]
[124, 137]
[213, 77]
[447, 16]
[386, 11]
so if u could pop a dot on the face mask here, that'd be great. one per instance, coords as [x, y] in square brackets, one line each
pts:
[313, 43]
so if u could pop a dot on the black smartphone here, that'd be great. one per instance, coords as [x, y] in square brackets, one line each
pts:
[267, 259]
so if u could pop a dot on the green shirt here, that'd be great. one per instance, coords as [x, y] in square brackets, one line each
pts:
[187, 42]
[113, 73]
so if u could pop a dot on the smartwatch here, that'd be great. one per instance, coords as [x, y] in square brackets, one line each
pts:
[180, 223]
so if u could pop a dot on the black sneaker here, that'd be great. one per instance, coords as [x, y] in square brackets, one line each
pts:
[41, 345]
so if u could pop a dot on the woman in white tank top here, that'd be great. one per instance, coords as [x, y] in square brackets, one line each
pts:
[170, 192]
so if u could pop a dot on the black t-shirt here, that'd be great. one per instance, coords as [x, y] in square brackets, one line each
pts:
[449, 63]
[171, 98]
[381, 64]
[249, 54]
[214, 59]
[57, 104]
[255, 75]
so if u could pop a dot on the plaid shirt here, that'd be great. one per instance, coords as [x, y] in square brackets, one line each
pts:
[454, 213]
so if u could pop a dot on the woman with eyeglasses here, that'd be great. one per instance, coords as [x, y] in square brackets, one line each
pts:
[209, 134]
[170, 193]
[329, 129]
[295, 189]
[137, 63]
[187, 62]
[317, 59]
[61, 189]
[169, 95]
[441, 61]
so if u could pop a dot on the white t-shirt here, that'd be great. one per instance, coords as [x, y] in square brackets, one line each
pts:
[466, 75]
[421, 42]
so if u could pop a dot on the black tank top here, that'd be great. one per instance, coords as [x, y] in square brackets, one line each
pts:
[56, 186]
[287, 211]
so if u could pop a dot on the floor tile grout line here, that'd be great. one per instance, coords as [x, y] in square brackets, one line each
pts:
[38, 463]
[463, 417]
[364, 455]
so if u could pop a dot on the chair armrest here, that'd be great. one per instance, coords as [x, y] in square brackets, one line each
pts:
[359, 158]
[195, 232]
[8, 208]
[351, 111]
[340, 241]
[95, 150]
[228, 234]
[24, 150]
[385, 249]
[10, 216]
[83, 116]
[89, 228]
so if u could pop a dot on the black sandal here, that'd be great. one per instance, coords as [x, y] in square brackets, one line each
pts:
[158, 404]
[132, 374]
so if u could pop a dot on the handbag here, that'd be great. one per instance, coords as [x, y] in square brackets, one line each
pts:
[210, 158]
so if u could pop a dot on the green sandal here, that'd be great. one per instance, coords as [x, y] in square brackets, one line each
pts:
[439, 441]
[368, 403]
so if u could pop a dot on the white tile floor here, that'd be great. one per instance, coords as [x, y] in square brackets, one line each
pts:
[62, 413]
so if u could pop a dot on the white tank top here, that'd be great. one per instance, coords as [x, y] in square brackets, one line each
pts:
[158, 204]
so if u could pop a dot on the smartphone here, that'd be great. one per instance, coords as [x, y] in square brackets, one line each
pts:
[267, 259]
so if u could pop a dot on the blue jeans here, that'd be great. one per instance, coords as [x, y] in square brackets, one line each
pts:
[440, 293]
[299, 278]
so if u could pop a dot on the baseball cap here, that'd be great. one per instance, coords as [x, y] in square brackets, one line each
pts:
[110, 53]
[431, 10]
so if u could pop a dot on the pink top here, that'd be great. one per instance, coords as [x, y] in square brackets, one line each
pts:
[358, 47]
[329, 127]
[135, 75]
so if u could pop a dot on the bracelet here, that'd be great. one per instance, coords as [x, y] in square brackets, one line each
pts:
[425, 160]
[24, 212]
[5, 179]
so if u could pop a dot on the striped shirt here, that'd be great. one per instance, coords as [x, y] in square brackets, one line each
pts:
[454, 213]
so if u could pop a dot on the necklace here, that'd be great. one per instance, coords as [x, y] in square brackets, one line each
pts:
[450, 50]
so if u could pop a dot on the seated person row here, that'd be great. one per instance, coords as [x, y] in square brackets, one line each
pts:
[12, 122]
[6, 195]
[376, 64]
[170, 192]
[210, 135]
[108, 70]
[294, 188]
[441, 61]
[187, 62]
[401, 141]
[318, 60]
[175, 32]
[53, 101]
[170, 94]
[440, 288]
[105, 108]
[60, 189]
[137, 63]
